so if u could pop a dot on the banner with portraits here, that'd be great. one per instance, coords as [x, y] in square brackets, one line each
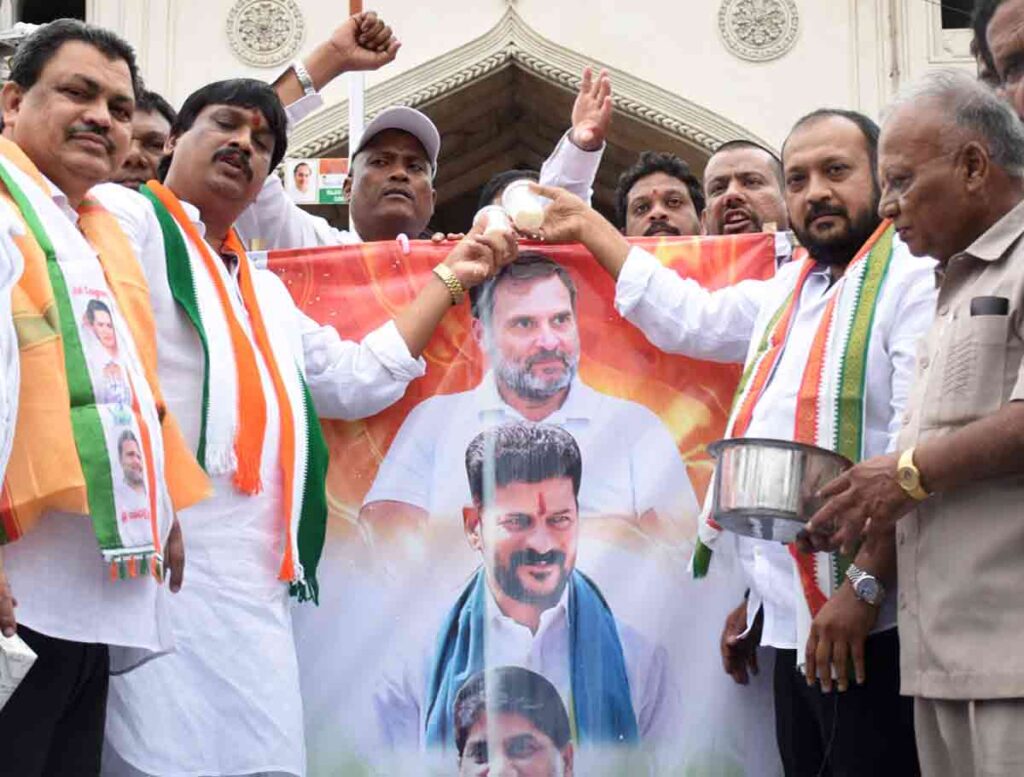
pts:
[505, 578]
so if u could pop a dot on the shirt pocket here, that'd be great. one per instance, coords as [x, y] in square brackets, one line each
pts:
[973, 380]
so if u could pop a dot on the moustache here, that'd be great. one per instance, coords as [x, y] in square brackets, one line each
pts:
[241, 158]
[92, 129]
[543, 356]
[530, 557]
[817, 210]
[661, 228]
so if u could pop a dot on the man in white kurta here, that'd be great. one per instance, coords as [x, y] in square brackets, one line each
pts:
[235, 669]
[832, 200]
[81, 622]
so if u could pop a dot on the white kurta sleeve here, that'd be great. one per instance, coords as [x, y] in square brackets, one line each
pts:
[10, 376]
[351, 380]
[678, 315]
[911, 321]
[572, 168]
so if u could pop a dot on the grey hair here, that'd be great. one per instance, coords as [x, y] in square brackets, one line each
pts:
[974, 107]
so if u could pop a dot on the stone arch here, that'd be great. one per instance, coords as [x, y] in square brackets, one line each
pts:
[504, 99]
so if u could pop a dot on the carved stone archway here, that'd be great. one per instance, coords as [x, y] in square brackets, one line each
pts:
[504, 99]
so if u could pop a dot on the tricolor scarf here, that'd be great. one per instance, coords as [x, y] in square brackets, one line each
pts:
[66, 446]
[233, 337]
[600, 710]
[830, 402]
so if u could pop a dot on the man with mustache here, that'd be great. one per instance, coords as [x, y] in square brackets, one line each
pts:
[87, 585]
[743, 190]
[527, 605]
[151, 125]
[658, 195]
[525, 322]
[856, 307]
[250, 375]
[390, 185]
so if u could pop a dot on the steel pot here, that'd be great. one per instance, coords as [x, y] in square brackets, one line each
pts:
[766, 488]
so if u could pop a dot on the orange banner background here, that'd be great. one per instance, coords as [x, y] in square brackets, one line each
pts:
[358, 288]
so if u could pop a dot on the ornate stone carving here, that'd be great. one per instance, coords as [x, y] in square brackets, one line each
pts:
[513, 42]
[758, 30]
[265, 33]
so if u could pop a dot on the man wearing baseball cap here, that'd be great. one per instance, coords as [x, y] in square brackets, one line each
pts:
[390, 186]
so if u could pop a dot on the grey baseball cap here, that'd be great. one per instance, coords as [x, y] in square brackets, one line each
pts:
[400, 117]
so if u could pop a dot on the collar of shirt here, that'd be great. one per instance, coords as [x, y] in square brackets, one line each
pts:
[60, 200]
[551, 618]
[998, 239]
[580, 404]
[229, 257]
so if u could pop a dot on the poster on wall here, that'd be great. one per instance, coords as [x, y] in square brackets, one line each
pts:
[316, 181]
[506, 570]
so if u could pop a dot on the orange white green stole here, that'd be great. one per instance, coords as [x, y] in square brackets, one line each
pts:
[830, 402]
[234, 413]
[92, 436]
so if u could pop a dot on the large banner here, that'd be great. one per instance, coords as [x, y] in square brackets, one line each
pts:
[505, 578]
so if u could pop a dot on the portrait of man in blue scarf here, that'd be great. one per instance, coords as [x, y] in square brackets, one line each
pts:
[524, 480]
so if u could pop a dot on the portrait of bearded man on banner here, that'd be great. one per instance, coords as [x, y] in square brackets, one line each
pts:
[528, 604]
[525, 321]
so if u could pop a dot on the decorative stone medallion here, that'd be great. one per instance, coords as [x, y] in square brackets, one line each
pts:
[758, 30]
[265, 33]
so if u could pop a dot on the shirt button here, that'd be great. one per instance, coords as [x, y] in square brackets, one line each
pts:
[903, 601]
[943, 310]
[905, 420]
[925, 361]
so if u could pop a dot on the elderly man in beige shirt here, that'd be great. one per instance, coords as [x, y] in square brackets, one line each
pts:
[951, 162]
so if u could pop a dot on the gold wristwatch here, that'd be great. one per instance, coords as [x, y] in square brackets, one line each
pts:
[909, 476]
[454, 285]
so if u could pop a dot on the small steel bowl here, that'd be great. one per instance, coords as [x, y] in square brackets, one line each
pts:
[766, 488]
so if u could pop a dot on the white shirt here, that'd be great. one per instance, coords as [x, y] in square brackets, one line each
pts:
[679, 316]
[278, 223]
[399, 700]
[630, 461]
[56, 571]
[235, 660]
[11, 265]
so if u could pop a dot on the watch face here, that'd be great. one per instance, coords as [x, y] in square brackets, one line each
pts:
[906, 476]
[867, 589]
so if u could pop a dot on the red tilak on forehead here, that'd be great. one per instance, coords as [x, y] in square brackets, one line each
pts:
[257, 119]
[542, 508]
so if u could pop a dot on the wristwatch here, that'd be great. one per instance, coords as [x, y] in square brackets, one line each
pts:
[909, 476]
[866, 586]
[451, 282]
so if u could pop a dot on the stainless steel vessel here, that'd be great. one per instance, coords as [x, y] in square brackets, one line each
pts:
[766, 488]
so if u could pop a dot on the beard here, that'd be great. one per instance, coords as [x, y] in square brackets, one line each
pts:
[507, 577]
[519, 378]
[839, 249]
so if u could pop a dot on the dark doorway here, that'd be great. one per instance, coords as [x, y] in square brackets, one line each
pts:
[43, 11]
